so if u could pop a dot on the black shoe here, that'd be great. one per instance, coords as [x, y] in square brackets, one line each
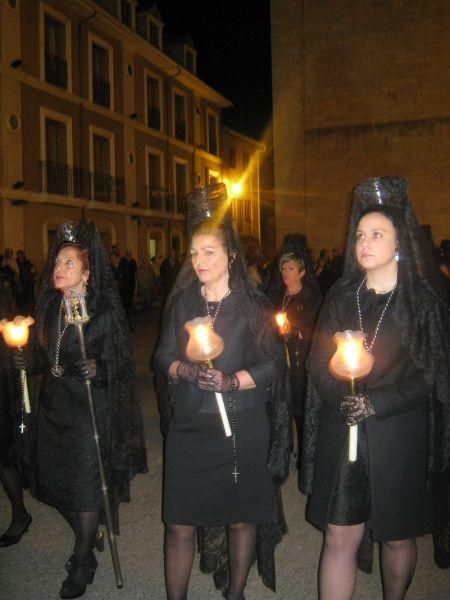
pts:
[81, 575]
[99, 545]
[10, 540]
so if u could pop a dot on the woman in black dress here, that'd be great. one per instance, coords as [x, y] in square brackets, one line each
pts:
[11, 451]
[221, 485]
[299, 297]
[390, 291]
[67, 474]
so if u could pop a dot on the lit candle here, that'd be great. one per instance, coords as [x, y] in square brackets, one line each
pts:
[283, 323]
[350, 362]
[203, 346]
[15, 334]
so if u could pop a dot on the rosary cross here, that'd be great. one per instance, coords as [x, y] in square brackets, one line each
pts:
[22, 427]
[235, 473]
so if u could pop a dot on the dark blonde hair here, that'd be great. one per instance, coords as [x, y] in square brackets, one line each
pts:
[292, 256]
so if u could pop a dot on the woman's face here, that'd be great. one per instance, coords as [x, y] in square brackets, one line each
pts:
[376, 241]
[209, 259]
[291, 274]
[69, 272]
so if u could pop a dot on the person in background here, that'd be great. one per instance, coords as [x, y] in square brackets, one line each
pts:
[395, 490]
[169, 271]
[145, 283]
[11, 451]
[27, 276]
[298, 296]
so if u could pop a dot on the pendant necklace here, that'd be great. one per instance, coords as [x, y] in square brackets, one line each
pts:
[205, 294]
[232, 393]
[57, 370]
[367, 346]
[287, 298]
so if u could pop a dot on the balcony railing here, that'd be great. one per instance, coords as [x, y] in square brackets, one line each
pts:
[59, 178]
[56, 70]
[180, 130]
[155, 198]
[181, 204]
[101, 92]
[154, 118]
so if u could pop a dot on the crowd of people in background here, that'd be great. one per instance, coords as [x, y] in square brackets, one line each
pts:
[17, 283]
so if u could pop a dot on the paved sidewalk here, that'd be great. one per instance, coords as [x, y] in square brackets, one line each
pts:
[34, 568]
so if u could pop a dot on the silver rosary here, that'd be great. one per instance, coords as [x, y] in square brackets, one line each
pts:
[213, 320]
[57, 369]
[388, 301]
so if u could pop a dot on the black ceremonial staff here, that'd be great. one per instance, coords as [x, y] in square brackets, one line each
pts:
[76, 314]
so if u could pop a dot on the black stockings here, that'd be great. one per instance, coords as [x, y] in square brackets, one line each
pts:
[179, 552]
[398, 563]
[241, 552]
[84, 526]
[337, 569]
[11, 480]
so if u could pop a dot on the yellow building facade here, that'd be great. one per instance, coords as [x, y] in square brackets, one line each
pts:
[99, 119]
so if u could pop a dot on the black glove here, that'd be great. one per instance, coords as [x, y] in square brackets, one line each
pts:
[355, 409]
[87, 368]
[191, 372]
[219, 381]
[20, 359]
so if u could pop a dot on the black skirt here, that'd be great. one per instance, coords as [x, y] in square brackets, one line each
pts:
[199, 486]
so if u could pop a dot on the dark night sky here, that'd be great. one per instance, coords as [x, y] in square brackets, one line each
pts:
[233, 43]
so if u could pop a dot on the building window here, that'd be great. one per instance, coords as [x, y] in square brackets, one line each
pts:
[245, 160]
[213, 133]
[189, 60]
[180, 117]
[154, 33]
[55, 52]
[101, 84]
[104, 185]
[181, 186]
[126, 13]
[155, 191]
[232, 157]
[153, 102]
[57, 173]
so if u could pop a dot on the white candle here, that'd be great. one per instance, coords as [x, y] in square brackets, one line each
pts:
[223, 414]
[25, 396]
[352, 442]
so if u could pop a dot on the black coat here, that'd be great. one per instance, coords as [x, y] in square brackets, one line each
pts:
[403, 492]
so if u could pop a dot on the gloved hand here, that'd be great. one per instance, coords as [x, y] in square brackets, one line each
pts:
[87, 368]
[355, 409]
[218, 381]
[19, 359]
[191, 372]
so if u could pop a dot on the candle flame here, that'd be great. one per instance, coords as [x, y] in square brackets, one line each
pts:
[280, 318]
[15, 333]
[202, 336]
[351, 354]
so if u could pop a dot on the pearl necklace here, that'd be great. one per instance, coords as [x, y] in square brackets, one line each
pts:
[205, 295]
[377, 327]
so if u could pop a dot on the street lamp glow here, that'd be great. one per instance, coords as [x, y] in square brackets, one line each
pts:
[236, 188]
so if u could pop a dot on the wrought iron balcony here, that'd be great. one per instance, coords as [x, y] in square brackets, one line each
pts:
[170, 202]
[154, 118]
[56, 70]
[107, 188]
[181, 205]
[59, 178]
[101, 92]
[155, 198]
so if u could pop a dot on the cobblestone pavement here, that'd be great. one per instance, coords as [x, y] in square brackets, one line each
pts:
[34, 568]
